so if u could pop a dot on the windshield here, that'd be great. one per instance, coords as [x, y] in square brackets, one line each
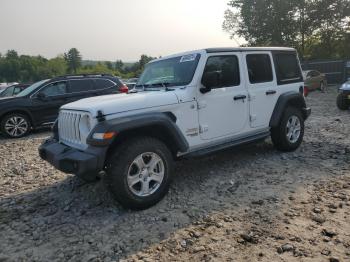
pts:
[7, 92]
[31, 88]
[177, 71]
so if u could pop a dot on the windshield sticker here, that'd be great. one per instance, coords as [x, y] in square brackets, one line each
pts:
[188, 58]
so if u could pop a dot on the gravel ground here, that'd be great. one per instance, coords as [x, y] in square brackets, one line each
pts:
[247, 204]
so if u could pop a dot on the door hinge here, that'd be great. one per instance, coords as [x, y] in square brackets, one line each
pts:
[201, 104]
[251, 97]
[203, 129]
[252, 118]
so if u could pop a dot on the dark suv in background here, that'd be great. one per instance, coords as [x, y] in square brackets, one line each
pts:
[38, 104]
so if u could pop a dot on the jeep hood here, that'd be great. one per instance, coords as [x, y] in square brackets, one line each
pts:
[113, 104]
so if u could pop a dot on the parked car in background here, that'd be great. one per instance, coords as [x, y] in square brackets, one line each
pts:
[314, 80]
[131, 83]
[13, 90]
[39, 103]
[3, 86]
[343, 98]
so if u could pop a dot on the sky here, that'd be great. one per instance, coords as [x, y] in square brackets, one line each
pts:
[111, 29]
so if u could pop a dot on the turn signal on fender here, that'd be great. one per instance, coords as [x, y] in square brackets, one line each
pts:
[104, 136]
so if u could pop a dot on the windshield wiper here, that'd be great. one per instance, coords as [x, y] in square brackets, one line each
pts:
[143, 86]
[165, 85]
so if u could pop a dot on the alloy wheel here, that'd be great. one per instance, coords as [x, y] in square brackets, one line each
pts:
[293, 129]
[146, 174]
[16, 126]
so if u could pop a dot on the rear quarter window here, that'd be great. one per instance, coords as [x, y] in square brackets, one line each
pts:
[287, 68]
[103, 84]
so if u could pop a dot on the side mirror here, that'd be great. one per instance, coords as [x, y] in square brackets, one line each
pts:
[41, 96]
[210, 80]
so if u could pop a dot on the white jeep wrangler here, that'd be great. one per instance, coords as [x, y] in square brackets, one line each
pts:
[183, 105]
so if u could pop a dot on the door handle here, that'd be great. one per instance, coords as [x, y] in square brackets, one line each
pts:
[240, 97]
[271, 92]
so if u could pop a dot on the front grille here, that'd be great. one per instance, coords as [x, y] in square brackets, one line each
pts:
[68, 128]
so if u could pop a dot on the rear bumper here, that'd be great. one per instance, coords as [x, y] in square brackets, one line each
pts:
[69, 160]
[306, 112]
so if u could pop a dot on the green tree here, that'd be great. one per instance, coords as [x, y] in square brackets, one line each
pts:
[109, 65]
[10, 67]
[314, 27]
[261, 22]
[99, 68]
[73, 59]
[119, 65]
[331, 18]
[144, 59]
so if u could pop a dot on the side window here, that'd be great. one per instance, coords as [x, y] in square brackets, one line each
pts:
[103, 83]
[82, 85]
[287, 68]
[17, 90]
[55, 89]
[8, 91]
[259, 68]
[227, 67]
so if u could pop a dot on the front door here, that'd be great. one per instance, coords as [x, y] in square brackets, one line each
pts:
[262, 87]
[47, 102]
[224, 110]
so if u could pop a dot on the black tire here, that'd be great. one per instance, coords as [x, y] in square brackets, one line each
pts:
[122, 162]
[22, 130]
[342, 102]
[322, 86]
[279, 133]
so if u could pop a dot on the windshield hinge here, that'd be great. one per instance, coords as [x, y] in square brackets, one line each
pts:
[100, 116]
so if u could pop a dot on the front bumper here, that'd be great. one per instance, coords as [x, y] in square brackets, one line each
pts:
[85, 164]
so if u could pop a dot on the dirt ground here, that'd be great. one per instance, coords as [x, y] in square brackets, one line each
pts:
[248, 204]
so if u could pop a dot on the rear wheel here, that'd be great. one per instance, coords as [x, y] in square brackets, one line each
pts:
[342, 102]
[322, 87]
[15, 125]
[290, 132]
[139, 172]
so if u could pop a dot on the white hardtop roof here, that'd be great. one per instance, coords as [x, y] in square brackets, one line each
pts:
[226, 49]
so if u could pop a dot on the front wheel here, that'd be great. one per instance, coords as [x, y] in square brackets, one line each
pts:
[290, 132]
[15, 125]
[139, 172]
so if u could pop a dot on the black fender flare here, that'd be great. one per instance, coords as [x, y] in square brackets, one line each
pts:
[294, 99]
[129, 123]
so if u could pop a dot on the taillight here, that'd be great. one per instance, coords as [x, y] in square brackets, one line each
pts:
[306, 91]
[123, 89]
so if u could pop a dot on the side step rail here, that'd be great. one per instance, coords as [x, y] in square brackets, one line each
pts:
[234, 143]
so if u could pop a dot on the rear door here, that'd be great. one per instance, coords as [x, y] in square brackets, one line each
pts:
[79, 89]
[316, 79]
[262, 87]
[224, 110]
